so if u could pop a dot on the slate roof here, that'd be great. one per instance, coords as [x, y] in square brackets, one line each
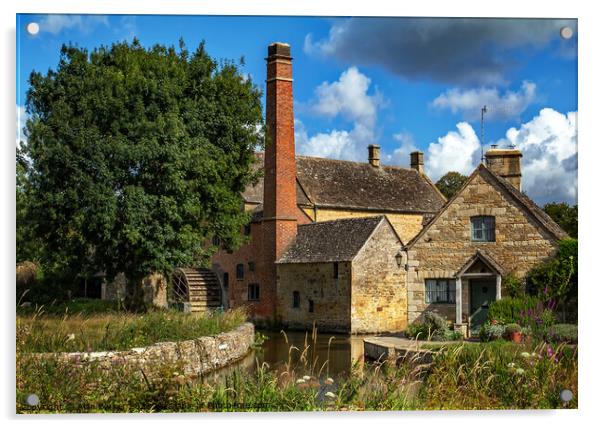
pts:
[330, 241]
[333, 183]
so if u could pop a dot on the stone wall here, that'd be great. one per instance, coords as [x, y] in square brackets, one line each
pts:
[315, 281]
[378, 293]
[193, 357]
[406, 225]
[446, 246]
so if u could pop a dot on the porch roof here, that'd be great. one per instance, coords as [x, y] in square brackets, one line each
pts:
[480, 255]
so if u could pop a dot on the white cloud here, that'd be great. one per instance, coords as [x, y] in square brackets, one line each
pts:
[21, 119]
[54, 24]
[453, 152]
[401, 155]
[349, 98]
[549, 164]
[549, 146]
[506, 106]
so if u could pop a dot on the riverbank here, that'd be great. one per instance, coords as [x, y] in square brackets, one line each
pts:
[480, 376]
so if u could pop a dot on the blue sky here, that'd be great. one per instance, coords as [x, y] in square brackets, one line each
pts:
[403, 83]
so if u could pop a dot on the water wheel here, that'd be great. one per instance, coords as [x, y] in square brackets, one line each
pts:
[197, 288]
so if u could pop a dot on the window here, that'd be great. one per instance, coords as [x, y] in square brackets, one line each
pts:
[216, 241]
[251, 266]
[296, 299]
[335, 270]
[440, 291]
[240, 271]
[253, 290]
[226, 280]
[247, 229]
[311, 306]
[483, 229]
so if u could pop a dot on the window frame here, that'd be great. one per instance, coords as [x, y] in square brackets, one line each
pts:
[240, 271]
[449, 290]
[486, 228]
[251, 296]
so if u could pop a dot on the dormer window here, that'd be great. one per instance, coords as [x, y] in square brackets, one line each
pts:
[482, 229]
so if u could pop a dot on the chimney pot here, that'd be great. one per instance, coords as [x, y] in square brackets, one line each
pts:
[374, 155]
[279, 49]
[417, 161]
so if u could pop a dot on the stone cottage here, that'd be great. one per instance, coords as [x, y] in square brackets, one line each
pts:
[343, 276]
[489, 229]
[361, 247]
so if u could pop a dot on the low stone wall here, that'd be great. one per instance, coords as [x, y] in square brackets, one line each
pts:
[191, 357]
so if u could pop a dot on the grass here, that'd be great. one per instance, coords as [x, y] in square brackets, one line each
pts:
[91, 330]
[496, 375]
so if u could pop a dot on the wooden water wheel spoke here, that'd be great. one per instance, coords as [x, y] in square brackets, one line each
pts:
[198, 287]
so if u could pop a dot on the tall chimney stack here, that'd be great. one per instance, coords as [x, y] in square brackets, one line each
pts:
[279, 189]
[417, 161]
[374, 155]
[505, 162]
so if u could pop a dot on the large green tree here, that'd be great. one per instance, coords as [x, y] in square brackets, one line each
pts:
[565, 216]
[450, 183]
[137, 156]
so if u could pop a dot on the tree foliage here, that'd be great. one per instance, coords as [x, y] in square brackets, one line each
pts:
[565, 216]
[557, 279]
[137, 156]
[450, 183]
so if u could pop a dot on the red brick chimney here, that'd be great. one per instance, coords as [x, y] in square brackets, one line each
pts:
[279, 188]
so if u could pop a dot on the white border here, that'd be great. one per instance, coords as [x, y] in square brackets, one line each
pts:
[590, 71]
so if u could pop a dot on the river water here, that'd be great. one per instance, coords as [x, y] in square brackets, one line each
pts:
[326, 355]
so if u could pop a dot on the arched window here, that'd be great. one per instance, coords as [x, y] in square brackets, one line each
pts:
[296, 299]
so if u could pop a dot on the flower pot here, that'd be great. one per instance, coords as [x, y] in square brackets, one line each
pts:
[516, 336]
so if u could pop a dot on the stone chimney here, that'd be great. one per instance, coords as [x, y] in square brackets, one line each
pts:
[279, 226]
[417, 161]
[374, 155]
[505, 162]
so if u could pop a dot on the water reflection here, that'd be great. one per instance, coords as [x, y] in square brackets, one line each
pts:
[331, 354]
[334, 353]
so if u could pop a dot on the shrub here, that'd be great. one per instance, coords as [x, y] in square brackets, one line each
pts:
[511, 309]
[557, 278]
[417, 331]
[513, 286]
[446, 335]
[562, 333]
[435, 321]
[434, 327]
[491, 332]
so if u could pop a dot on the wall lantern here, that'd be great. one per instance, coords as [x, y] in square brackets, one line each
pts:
[398, 258]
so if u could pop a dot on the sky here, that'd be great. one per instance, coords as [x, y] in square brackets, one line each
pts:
[403, 83]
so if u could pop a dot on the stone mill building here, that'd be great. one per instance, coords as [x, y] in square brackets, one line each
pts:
[361, 247]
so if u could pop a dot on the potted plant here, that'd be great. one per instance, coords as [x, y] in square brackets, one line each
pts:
[514, 333]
